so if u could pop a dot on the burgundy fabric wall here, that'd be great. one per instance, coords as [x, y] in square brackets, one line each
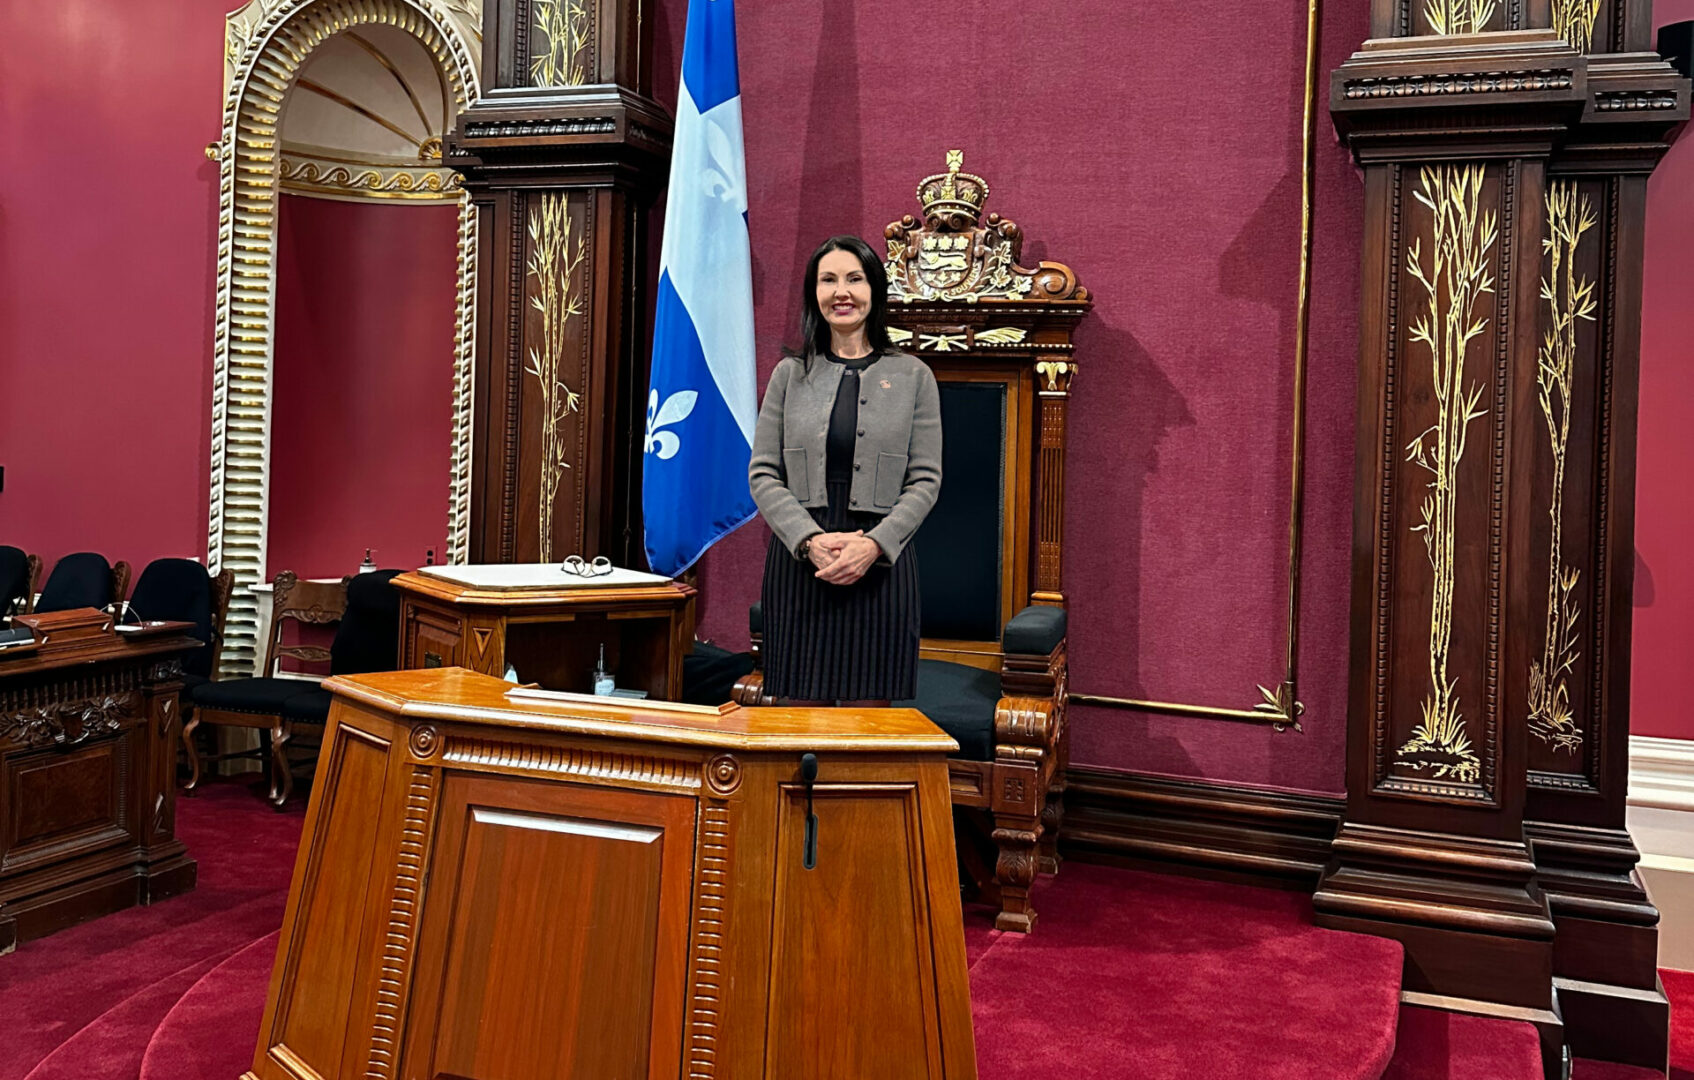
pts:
[1160, 158]
[108, 218]
[1664, 493]
[362, 407]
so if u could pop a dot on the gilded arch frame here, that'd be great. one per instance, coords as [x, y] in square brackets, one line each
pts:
[267, 43]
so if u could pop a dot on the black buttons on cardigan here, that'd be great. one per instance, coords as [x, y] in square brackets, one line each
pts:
[861, 433]
[864, 401]
[857, 467]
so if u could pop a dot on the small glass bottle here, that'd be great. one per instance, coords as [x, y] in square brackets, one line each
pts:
[603, 681]
[369, 565]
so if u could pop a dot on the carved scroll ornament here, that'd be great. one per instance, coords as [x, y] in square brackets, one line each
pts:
[67, 723]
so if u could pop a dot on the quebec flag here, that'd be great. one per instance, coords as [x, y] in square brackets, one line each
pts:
[701, 400]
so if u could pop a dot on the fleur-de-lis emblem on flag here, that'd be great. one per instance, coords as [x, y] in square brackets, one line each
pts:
[675, 409]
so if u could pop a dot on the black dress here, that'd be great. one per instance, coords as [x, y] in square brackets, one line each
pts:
[855, 642]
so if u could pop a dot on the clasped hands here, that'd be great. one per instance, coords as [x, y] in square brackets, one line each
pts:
[842, 558]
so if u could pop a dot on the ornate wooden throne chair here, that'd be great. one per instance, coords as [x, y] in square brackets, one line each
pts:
[998, 337]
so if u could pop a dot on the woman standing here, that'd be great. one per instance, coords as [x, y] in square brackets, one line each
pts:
[846, 464]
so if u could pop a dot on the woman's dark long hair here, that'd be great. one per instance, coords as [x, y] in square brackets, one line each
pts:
[814, 329]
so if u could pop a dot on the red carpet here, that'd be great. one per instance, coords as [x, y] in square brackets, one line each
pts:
[1130, 975]
[1435, 1045]
[1147, 975]
[102, 983]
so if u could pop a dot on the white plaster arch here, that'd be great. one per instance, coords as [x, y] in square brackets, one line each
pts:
[267, 43]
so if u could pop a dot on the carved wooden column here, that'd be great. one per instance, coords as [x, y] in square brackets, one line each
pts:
[561, 155]
[1487, 701]
[1454, 137]
[1575, 579]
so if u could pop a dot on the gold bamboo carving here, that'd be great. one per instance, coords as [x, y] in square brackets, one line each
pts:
[1458, 16]
[1573, 20]
[556, 251]
[564, 23]
[1455, 279]
[1570, 299]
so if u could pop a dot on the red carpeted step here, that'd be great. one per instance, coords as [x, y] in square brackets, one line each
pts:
[1134, 974]
[211, 1031]
[110, 1046]
[53, 988]
[1437, 1045]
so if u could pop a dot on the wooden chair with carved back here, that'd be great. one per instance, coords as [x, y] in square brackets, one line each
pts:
[257, 702]
[993, 670]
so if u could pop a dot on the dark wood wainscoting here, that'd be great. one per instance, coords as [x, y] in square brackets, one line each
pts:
[1199, 827]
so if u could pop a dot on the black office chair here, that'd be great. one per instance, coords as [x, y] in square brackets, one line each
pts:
[182, 589]
[19, 574]
[368, 639]
[84, 579]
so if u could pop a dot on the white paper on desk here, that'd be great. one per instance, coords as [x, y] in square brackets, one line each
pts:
[537, 576]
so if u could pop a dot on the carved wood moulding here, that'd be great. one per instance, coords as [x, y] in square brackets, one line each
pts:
[267, 43]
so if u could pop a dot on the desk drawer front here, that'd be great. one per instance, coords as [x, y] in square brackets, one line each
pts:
[60, 805]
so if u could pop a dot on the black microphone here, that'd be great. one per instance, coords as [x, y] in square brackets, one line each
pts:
[809, 776]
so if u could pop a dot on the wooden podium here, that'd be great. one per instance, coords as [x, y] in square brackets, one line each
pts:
[547, 625]
[492, 888]
[89, 721]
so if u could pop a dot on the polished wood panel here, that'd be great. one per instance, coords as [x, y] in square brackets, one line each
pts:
[819, 976]
[328, 913]
[550, 636]
[504, 887]
[88, 725]
[606, 945]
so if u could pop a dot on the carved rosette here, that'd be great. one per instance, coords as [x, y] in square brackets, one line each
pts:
[723, 774]
[425, 740]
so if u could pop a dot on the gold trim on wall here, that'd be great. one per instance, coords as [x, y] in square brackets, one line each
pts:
[362, 182]
[1278, 706]
[266, 44]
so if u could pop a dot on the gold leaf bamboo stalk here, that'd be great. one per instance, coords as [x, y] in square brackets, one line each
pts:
[1573, 20]
[1458, 16]
[1570, 299]
[564, 23]
[552, 264]
[1457, 276]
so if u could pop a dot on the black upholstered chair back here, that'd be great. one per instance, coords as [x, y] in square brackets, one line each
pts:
[77, 581]
[959, 543]
[14, 580]
[368, 638]
[179, 589]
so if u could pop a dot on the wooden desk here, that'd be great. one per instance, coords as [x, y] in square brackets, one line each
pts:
[550, 632]
[88, 732]
[491, 890]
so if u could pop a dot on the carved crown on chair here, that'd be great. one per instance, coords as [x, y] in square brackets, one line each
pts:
[951, 256]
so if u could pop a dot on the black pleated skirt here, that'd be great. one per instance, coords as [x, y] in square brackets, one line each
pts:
[828, 642]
